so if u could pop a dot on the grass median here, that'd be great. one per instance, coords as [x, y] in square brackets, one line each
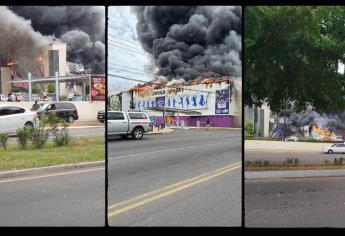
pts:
[77, 151]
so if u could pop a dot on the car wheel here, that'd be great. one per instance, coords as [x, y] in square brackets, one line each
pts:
[29, 125]
[330, 151]
[70, 119]
[138, 133]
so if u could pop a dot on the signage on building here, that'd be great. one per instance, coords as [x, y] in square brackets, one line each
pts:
[194, 101]
[97, 87]
[160, 101]
[222, 101]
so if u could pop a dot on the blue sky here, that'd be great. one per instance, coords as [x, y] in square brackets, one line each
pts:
[126, 57]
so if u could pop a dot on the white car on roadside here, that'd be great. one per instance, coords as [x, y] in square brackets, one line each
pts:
[334, 148]
[13, 117]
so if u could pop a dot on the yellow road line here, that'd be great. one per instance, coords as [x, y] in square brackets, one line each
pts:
[157, 194]
[170, 186]
[51, 175]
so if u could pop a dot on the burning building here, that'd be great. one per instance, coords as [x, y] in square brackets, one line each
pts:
[212, 101]
[41, 40]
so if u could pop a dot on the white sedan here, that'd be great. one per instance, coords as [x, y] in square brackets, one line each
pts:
[13, 117]
[334, 148]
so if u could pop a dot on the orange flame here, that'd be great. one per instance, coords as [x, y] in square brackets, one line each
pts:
[322, 133]
[11, 63]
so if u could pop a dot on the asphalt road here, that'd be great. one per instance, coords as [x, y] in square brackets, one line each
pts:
[71, 198]
[302, 202]
[187, 178]
[87, 132]
[281, 156]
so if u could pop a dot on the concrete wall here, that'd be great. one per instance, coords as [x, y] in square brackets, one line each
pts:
[5, 76]
[87, 110]
[62, 58]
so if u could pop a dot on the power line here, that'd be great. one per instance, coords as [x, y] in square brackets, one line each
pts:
[126, 45]
[123, 39]
[126, 48]
[132, 72]
[114, 64]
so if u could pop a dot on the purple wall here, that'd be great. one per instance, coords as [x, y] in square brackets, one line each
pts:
[215, 121]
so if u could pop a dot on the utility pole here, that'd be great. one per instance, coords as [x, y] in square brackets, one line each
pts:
[93, 42]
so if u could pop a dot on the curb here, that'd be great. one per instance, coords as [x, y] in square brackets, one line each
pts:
[40, 170]
[85, 127]
[252, 175]
[159, 133]
[216, 128]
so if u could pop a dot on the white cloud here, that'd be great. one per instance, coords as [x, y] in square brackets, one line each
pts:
[124, 49]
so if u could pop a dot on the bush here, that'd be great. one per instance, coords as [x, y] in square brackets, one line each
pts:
[50, 125]
[23, 136]
[61, 135]
[249, 129]
[4, 139]
[40, 133]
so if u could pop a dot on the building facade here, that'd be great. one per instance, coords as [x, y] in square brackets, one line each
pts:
[209, 102]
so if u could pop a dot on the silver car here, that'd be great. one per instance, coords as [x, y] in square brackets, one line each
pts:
[128, 123]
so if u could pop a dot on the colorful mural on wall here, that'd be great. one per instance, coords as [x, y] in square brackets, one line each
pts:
[222, 101]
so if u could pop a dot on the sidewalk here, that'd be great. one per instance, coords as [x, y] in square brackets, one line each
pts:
[161, 131]
[251, 175]
[92, 123]
[283, 146]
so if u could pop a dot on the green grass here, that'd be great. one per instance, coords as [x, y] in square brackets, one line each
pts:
[79, 150]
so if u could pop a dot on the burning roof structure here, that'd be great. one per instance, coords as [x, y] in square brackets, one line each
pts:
[176, 83]
[27, 30]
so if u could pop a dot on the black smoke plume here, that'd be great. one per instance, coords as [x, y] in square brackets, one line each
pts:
[191, 41]
[77, 26]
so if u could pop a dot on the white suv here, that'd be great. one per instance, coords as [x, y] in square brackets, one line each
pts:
[13, 117]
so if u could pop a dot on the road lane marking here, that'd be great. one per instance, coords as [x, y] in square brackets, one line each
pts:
[143, 199]
[51, 175]
[164, 150]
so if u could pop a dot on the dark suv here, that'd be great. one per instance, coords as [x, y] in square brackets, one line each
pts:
[64, 110]
[101, 116]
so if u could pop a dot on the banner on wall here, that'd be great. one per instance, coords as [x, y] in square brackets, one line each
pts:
[97, 87]
[222, 101]
[196, 101]
[160, 101]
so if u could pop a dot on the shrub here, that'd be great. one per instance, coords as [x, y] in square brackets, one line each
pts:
[61, 135]
[4, 139]
[23, 136]
[249, 129]
[40, 133]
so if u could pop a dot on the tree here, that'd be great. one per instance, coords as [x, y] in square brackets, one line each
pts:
[51, 88]
[291, 56]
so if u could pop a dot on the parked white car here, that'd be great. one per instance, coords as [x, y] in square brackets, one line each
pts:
[334, 148]
[13, 117]
[3, 98]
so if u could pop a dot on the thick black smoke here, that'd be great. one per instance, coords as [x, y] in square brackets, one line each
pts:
[19, 43]
[190, 41]
[75, 25]
[332, 121]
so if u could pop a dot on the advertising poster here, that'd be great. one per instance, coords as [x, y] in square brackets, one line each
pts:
[160, 101]
[97, 87]
[222, 101]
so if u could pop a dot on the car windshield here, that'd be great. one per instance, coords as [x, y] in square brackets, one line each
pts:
[39, 107]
